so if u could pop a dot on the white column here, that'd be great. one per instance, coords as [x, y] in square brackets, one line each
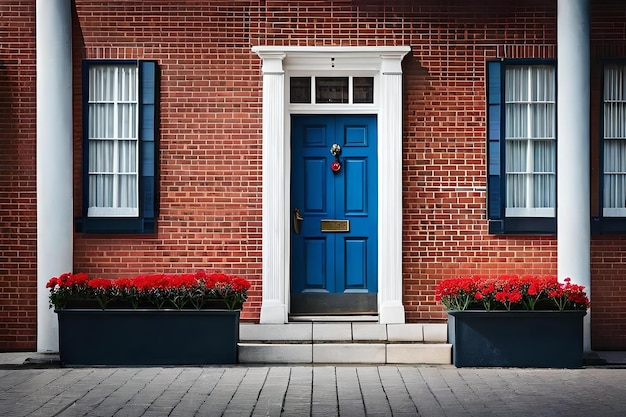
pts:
[390, 308]
[573, 212]
[275, 193]
[54, 157]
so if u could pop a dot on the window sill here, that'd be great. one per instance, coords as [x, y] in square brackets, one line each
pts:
[523, 226]
[608, 225]
[115, 225]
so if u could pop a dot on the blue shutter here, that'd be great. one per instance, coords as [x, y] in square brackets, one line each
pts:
[147, 143]
[495, 147]
[80, 223]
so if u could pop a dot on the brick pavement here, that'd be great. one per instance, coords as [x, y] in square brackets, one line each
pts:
[312, 391]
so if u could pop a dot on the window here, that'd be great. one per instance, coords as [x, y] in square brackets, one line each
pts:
[614, 141]
[521, 147]
[330, 90]
[120, 101]
[112, 139]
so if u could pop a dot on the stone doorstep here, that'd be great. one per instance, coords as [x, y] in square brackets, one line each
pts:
[345, 342]
[346, 353]
[316, 332]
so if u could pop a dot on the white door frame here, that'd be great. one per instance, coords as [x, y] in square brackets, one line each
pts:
[385, 63]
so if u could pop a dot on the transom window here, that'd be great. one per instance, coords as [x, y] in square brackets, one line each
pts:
[328, 90]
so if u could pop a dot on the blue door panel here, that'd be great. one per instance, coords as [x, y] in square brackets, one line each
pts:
[314, 185]
[355, 187]
[315, 134]
[356, 264]
[315, 258]
[356, 135]
[335, 261]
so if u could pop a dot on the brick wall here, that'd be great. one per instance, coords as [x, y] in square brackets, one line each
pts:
[608, 286]
[444, 184]
[608, 269]
[210, 144]
[18, 206]
[210, 153]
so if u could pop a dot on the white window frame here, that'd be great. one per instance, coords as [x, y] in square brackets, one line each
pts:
[115, 210]
[529, 170]
[613, 133]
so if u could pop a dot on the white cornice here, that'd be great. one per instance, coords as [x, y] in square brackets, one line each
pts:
[332, 58]
[294, 50]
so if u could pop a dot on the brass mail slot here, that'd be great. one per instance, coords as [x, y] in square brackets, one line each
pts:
[335, 225]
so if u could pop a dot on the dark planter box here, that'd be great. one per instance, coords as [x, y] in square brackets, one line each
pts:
[537, 339]
[148, 337]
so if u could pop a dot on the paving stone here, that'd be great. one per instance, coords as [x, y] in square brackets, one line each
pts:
[349, 395]
[270, 400]
[297, 401]
[399, 399]
[313, 390]
[324, 392]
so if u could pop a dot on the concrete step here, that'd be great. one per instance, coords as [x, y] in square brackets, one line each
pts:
[344, 342]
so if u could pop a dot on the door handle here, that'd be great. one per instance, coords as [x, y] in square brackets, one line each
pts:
[297, 220]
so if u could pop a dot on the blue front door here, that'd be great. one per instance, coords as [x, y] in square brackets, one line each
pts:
[334, 215]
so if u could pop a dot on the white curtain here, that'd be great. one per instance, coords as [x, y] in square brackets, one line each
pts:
[530, 140]
[112, 130]
[614, 140]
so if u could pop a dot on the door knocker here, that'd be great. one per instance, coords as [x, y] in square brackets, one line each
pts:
[335, 151]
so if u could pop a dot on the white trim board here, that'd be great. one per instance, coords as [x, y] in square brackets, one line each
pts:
[385, 64]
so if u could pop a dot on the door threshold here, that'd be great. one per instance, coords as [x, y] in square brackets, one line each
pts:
[335, 318]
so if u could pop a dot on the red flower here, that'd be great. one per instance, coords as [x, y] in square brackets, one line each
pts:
[124, 283]
[511, 292]
[515, 297]
[501, 296]
[154, 290]
[100, 283]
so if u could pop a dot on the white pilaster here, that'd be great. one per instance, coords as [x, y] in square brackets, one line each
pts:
[573, 212]
[275, 193]
[54, 157]
[390, 308]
